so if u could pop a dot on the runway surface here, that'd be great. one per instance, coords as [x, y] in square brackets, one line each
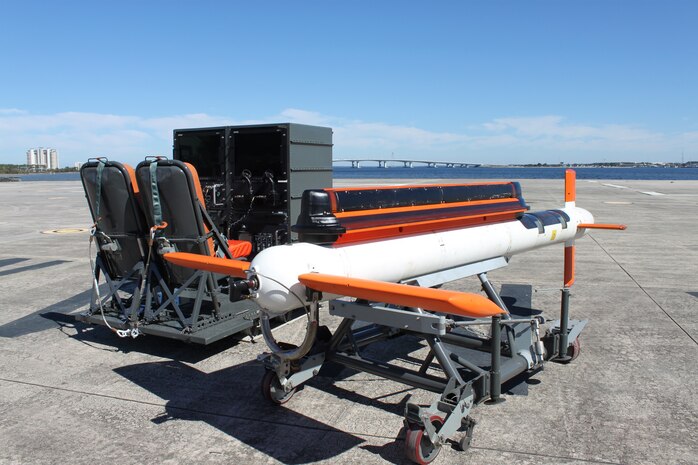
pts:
[77, 394]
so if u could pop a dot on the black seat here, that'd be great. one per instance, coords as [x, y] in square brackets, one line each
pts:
[173, 203]
[119, 230]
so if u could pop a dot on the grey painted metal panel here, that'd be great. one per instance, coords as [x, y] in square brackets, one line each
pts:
[310, 157]
[306, 134]
[303, 180]
[471, 269]
[424, 323]
[309, 164]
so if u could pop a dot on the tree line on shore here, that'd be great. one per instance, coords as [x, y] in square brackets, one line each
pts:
[25, 169]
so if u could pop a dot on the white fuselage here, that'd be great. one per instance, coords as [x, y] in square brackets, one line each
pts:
[400, 258]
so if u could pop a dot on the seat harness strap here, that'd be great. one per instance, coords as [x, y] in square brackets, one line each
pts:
[157, 208]
[100, 170]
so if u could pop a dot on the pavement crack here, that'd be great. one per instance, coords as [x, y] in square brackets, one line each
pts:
[170, 406]
[550, 456]
[643, 289]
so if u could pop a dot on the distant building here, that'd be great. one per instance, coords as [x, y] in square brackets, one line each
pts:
[32, 157]
[43, 158]
[53, 154]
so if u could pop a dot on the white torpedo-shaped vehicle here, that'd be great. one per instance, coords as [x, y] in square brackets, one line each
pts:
[390, 248]
[399, 239]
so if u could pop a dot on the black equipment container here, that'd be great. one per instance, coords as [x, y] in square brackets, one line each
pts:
[253, 177]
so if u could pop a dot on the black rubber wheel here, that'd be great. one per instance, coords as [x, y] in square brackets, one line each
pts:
[418, 446]
[272, 390]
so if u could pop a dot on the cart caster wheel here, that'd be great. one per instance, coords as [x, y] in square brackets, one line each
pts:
[272, 390]
[465, 441]
[418, 446]
[573, 351]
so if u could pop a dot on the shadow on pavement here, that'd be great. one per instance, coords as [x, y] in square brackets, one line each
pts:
[44, 319]
[229, 401]
[145, 344]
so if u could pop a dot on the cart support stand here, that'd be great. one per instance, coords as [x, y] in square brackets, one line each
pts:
[495, 370]
[564, 326]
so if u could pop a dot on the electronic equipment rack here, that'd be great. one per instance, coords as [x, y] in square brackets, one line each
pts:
[253, 177]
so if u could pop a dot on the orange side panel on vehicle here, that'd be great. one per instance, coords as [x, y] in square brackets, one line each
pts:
[408, 186]
[438, 300]
[383, 232]
[236, 268]
[384, 211]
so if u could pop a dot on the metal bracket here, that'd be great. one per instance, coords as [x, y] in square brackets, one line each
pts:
[575, 327]
[459, 272]
[112, 246]
[309, 368]
[460, 412]
[165, 247]
[274, 363]
[424, 323]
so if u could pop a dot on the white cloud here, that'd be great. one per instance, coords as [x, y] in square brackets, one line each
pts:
[547, 138]
[11, 111]
[554, 127]
[78, 136]
[690, 137]
[511, 139]
[373, 137]
[295, 115]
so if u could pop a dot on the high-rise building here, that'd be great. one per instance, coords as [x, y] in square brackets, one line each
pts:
[53, 159]
[32, 157]
[43, 158]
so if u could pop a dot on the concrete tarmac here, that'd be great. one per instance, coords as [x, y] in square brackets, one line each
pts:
[77, 394]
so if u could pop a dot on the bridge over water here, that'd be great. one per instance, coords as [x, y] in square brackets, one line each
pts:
[386, 162]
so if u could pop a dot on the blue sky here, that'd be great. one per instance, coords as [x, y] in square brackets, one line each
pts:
[482, 82]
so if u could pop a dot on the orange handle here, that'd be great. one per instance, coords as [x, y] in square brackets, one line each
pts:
[619, 227]
[219, 265]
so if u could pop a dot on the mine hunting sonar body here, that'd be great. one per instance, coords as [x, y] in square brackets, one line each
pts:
[245, 221]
